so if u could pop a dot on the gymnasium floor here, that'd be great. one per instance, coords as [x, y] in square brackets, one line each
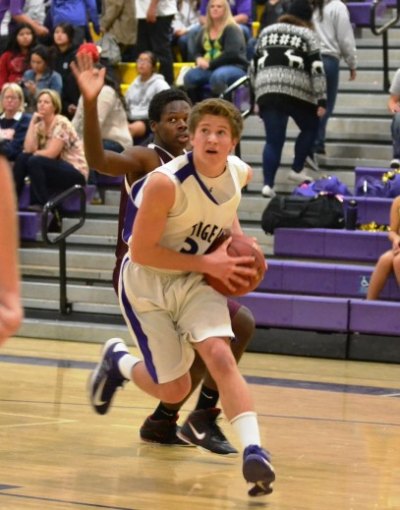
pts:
[333, 428]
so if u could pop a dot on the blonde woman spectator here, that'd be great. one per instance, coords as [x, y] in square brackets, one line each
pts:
[389, 262]
[141, 91]
[220, 53]
[53, 154]
[14, 122]
[10, 303]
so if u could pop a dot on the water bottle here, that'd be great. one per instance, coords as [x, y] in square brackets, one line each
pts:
[351, 215]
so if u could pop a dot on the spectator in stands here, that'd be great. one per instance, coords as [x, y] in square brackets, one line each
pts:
[332, 23]
[394, 108]
[41, 75]
[112, 116]
[16, 59]
[11, 312]
[119, 19]
[12, 13]
[140, 93]
[187, 17]
[271, 11]
[155, 32]
[220, 53]
[14, 121]
[241, 12]
[65, 53]
[53, 156]
[389, 262]
[78, 13]
[288, 81]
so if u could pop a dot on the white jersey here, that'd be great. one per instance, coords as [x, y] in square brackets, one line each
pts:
[197, 218]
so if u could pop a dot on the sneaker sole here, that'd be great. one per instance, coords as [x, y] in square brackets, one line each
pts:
[93, 375]
[184, 444]
[205, 450]
[259, 472]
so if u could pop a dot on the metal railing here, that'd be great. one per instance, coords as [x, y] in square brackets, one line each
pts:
[52, 209]
[383, 30]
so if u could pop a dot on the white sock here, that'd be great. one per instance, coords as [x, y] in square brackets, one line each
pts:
[125, 365]
[246, 427]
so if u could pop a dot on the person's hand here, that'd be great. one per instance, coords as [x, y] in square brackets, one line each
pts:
[151, 16]
[11, 315]
[30, 86]
[90, 80]
[321, 111]
[202, 62]
[72, 109]
[353, 74]
[7, 134]
[36, 117]
[41, 31]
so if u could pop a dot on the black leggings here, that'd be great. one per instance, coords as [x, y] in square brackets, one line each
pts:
[46, 175]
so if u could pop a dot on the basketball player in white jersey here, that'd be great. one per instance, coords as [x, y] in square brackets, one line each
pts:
[168, 113]
[172, 218]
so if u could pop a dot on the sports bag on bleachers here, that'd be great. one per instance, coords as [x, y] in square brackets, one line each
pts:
[323, 211]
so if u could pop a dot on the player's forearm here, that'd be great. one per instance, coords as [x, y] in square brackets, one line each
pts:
[94, 152]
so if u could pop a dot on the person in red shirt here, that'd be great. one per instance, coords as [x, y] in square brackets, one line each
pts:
[15, 60]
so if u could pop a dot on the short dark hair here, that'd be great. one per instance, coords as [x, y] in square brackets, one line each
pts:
[161, 99]
[67, 28]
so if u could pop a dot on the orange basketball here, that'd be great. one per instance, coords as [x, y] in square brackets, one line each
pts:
[241, 245]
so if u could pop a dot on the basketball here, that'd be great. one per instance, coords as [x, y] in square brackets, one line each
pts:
[241, 245]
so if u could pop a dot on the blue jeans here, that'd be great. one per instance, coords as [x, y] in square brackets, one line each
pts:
[218, 79]
[275, 123]
[331, 67]
[395, 130]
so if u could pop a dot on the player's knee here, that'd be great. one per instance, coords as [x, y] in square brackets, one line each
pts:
[221, 358]
[175, 391]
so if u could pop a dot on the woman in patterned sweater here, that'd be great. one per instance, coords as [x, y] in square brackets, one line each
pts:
[289, 81]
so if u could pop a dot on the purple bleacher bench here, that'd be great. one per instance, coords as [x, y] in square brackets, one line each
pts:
[337, 244]
[298, 312]
[376, 317]
[360, 12]
[322, 279]
[108, 180]
[371, 209]
[30, 224]
[71, 204]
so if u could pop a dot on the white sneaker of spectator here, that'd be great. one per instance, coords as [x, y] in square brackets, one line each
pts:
[267, 191]
[299, 177]
[312, 163]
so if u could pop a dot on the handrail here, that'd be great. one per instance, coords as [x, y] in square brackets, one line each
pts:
[50, 207]
[228, 93]
[380, 30]
[383, 30]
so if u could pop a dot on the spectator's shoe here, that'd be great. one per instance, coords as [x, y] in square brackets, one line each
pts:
[267, 191]
[161, 432]
[319, 150]
[311, 163]
[257, 469]
[395, 164]
[299, 177]
[106, 377]
[201, 429]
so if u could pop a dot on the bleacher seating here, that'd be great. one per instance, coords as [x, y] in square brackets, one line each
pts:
[317, 280]
[30, 222]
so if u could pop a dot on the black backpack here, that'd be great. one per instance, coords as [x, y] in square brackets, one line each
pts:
[323, 211]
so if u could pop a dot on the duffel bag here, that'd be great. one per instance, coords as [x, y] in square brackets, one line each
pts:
[323, 211]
